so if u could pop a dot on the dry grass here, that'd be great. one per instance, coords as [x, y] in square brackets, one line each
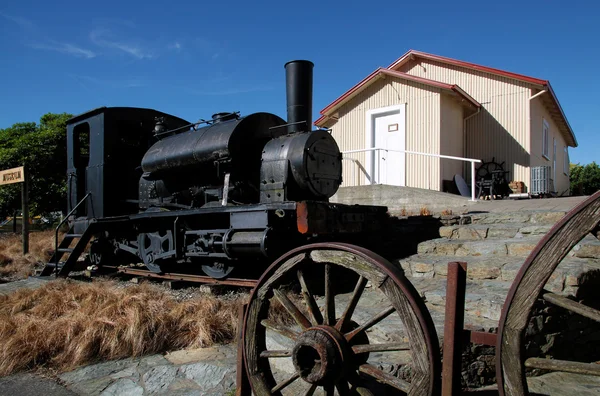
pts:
[424, 211]
[447, 212]
[65, 324]
[15, 265]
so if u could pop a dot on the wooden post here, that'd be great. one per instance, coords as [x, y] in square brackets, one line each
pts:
[15, 213]
[453, 327]
[25, 219]
[242, 382]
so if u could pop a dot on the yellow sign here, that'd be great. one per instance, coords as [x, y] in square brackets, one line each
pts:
[14, 175]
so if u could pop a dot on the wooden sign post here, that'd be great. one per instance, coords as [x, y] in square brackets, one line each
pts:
[17, 175]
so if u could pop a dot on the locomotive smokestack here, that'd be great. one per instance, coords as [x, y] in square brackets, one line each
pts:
[299, 82]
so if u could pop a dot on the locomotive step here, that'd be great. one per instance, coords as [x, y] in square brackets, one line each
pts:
[66, 250]
[73, 235]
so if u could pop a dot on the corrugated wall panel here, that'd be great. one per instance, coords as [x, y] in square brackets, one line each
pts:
[500, 129]
[538, 114]
[422, 129]
[452, 142]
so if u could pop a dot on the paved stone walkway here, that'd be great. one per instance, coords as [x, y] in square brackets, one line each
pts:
[206, 371]
[29, 283]
[515, 205]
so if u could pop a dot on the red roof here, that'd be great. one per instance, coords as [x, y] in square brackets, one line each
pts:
[544, 84]
[404, 58]
[373, 76]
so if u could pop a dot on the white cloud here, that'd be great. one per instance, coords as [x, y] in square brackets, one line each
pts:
[176, 46]
[65, 48]
[104, 38]
[23, 22]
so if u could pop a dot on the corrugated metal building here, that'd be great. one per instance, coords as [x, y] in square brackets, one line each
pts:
[434, 105]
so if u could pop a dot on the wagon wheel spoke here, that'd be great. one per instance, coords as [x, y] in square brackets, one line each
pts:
[275, 354]
[329, 390]
[329, 297]
[311, 390]
[285, 383]
[292, 309]
[358, 386]
[279, 329]
[347, 315]
[564, 366]
[370, 323]
[397, 346]
[342, 388]
[330, 352]
[386, 378]
[573, 306]
[313, 308]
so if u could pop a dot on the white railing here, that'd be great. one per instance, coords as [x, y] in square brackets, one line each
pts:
[369, 177]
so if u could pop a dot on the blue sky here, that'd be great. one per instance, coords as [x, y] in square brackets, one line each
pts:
[193, 59]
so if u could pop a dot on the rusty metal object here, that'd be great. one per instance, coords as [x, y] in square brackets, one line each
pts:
[186, 277]
[453, 327]
[329, 354]
[527, 287]
[483, 338]
[242, 387]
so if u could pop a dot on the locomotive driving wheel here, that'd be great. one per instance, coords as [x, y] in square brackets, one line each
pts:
[355, 326]
[530, 290]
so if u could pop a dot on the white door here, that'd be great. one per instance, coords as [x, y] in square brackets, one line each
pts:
[387, 131]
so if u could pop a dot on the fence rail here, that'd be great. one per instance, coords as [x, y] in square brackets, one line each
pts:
[361, 169]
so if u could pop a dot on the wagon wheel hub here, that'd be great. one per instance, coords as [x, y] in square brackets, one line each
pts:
[318, 355]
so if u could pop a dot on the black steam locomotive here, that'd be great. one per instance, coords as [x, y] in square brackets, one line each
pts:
[229, 192]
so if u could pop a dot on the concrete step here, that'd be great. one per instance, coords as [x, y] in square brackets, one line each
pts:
[589, 247]
[474, 232]
[533, 217]
[571, 272]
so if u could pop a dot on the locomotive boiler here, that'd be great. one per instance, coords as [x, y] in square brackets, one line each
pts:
[229, 192]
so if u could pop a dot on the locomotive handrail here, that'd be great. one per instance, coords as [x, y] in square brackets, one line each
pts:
[378, 149]
[63, 222]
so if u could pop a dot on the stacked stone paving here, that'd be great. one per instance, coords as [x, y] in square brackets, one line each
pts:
[494, 246]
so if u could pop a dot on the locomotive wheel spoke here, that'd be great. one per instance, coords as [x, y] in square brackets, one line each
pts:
[399, 346]
[564, 366]
[278, 329]
[370, 323]
[311, 390]
[572, 306]
[292, 309]
[347, 315]
[275, 354]
[386, 378]
[313, 308]
[329, 297]
[285, 383]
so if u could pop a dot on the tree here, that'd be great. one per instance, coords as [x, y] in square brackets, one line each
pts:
[42, 148]
[585, 180]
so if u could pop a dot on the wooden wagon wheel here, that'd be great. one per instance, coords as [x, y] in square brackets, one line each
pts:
[331, 352]
[528, 287]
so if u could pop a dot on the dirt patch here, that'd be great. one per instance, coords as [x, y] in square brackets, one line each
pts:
[14, 265]
[65, 323]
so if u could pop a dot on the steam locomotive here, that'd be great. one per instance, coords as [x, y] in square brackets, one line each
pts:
[231, 192]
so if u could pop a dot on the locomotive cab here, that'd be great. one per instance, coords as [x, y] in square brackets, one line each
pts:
[104, 149]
